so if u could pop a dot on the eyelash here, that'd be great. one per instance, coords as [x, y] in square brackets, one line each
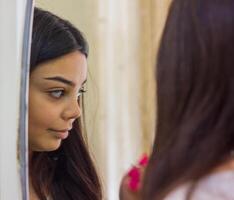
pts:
[62, 93]
[81, 91]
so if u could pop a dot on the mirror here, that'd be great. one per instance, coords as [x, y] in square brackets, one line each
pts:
[120, 113]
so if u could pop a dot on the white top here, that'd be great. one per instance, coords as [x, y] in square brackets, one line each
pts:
[217, 186]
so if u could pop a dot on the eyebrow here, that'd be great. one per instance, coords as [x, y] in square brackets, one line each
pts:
[63, 80]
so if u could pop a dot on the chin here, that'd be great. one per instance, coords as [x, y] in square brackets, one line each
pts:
[47, 147]
[53, 147]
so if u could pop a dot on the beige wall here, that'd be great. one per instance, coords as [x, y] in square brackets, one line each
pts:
[153, 15]
[123, 37]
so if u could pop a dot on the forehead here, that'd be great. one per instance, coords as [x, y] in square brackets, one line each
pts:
[72, 66]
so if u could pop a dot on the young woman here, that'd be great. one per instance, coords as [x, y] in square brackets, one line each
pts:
[60, 164]
[192, 157]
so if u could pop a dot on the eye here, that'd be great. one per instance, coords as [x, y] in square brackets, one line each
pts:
[56, 93]
[81, 91]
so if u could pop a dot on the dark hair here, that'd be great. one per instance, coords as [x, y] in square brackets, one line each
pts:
[53, 37]
[195, 95]
[69, 172]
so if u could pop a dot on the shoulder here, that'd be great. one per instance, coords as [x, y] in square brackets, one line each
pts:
[216, 186]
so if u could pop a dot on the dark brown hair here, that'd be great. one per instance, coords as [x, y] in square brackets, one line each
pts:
[195, 95]
[67, 173]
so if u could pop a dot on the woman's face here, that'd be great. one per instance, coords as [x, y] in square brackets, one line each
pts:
[53, 93]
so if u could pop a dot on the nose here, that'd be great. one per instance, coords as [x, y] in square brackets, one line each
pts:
[72, 110]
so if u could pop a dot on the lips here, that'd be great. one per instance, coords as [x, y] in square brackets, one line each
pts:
[64, 130]
[61, 134]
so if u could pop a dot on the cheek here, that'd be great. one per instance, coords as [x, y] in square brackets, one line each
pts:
[42, 113]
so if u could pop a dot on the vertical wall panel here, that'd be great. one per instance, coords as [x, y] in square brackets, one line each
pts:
[12, 23]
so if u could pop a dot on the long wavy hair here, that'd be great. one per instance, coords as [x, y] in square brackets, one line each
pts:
[67, 173]
[195, 95]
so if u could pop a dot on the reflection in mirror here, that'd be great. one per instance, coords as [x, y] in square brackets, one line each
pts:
[60, 166]
[119, 103]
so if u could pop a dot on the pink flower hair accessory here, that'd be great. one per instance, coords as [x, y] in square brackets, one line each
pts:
[135, 173]
[143, 160]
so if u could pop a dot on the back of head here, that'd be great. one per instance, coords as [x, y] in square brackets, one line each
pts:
[195, 94]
